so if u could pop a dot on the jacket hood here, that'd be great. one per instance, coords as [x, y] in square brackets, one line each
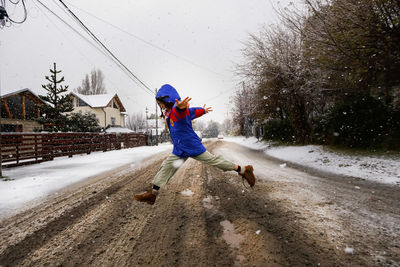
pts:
[168, 93]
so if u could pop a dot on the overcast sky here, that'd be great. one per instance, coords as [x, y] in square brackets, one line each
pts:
[202, 40]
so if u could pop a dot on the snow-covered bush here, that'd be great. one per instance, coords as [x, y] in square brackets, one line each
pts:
[279, 130]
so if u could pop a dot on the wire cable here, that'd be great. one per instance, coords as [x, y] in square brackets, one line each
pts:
[72, 28]
[25, 12]
[147, 42]
[82, 54]
[87, 40]
[96, 47]
[111, 55]
[104, 47]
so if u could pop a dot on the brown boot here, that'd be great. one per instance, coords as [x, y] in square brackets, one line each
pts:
[249, 175]
[147, 197]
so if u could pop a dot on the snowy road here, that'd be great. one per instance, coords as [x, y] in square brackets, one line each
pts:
[206, 218]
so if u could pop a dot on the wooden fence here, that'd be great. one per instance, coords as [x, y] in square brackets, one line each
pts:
[27, 148]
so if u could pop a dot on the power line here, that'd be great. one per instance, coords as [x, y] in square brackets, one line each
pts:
[97, 48]
[149, 43]
[87, 40]
[83, 55]
[25, 12]
[72, 28]
[104, 47]
[125, 69]
[5, 19]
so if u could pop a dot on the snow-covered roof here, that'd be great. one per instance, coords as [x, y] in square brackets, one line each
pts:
[15, 92]
[118, 130]
[99, 101]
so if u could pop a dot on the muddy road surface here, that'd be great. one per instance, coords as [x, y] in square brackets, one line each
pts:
[206, 217]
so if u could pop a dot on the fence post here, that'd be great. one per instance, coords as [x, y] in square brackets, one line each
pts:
[90, 139]
[36, 148]
[70, 146]
[105, 143]
[51, 147]
[17, 149]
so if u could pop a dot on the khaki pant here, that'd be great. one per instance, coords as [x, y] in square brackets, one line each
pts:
[173, 162]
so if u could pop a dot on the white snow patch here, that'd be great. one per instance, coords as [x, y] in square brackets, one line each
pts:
[207, 202]
[349, 250]
[231, 238]
[119, 130]
[187, 192]
[282, 165]
[33, 182]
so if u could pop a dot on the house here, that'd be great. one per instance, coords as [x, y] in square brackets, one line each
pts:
[19, 109]
[108, 108]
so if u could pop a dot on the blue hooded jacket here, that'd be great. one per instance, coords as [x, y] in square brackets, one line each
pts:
[185, 140]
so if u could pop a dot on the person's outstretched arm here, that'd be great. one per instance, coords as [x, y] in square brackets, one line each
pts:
[182, 107]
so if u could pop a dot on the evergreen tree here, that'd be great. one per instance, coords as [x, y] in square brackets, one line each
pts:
[58, 103]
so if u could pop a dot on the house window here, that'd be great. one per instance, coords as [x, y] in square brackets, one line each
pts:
[115, 105]
[14, 104]
[3, 110]
[82, 103]
[31, 109]
[112, 121]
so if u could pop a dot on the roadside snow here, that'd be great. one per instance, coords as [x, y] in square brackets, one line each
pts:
[250, 142]
[119, 130]
[383, 169]
[39, 180]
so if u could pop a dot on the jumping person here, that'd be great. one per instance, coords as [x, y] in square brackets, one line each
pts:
[186, 143]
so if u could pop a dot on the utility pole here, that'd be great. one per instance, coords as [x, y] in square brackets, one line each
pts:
[147, 123]
[1, 158]
[156, 122]
[246, 122]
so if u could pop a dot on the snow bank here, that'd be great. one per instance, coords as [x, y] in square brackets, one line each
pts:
[250, 142]
[384, 169]
[39, 180]
[375, 168]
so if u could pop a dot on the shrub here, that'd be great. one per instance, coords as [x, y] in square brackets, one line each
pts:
[393, 137]
[279, 130]
[360, 122]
